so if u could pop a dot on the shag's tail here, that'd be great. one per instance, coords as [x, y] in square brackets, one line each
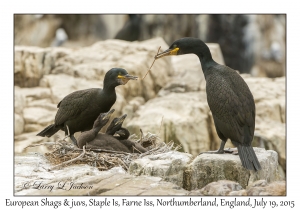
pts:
[48, 131]
[248, 157]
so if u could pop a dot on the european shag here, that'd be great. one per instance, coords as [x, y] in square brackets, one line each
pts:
[131, 30]
[229, 98]
[79, 110]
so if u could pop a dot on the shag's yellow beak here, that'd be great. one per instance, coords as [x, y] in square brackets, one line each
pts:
[167, 52]
[123, 79]
[127, 77]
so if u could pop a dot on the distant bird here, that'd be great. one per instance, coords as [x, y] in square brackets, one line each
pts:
[131, 29]
[78, 110]
[229, 98]
[92, 139]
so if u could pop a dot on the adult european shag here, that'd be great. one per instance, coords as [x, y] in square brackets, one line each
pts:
[79, 110]
[229, 98]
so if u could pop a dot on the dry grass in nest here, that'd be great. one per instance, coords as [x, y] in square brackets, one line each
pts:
[65, 153]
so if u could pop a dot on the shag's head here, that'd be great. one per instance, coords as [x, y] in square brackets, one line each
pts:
[115, 124]
[103, 119]
[186, 45]
[117, 76]
[123, 134]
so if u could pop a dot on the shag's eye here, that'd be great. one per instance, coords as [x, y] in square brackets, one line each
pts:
[174, 46]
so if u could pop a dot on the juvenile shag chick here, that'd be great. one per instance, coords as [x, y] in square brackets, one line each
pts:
[92, 139]
[80, 109]
[229, 98]
[116, 128]
[88, 136]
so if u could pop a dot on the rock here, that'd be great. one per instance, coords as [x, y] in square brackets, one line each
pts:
[207, 168]
[43, 103]
[219, 188]
[31, 63]
[271, 135]
[262, 188]
[32, 168]
[19, 124]
[35, 93]
[20, 101]
[26, 139]
[169, 166]
[28, 128]
[183, 117]
[38, 115]
[132, 106]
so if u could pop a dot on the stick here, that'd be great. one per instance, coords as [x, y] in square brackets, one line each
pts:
[123, 163]
[142, 136]
[134, 148]
[104, 150]
[69, 161]
[45, 143]
[152, 63]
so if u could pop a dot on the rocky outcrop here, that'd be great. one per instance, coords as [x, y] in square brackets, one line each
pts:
[150, 175]
[182, 170]
[31, 172]
[207, 168]
[169, 166]
[219, 188]
[230, 188]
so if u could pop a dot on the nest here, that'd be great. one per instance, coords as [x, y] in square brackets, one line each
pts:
[65, 153]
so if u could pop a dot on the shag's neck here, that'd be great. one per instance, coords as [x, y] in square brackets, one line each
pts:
[206, 63]
[204, 55]
[95, 130]
[108, 87]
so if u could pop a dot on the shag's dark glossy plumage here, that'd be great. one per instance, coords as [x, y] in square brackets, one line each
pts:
[131, 29]
[80, 109]
[229, 98]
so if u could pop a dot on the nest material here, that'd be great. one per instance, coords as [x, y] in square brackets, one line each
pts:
[65, 154]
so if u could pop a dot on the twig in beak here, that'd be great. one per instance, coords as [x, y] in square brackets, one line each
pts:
[152, 63]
